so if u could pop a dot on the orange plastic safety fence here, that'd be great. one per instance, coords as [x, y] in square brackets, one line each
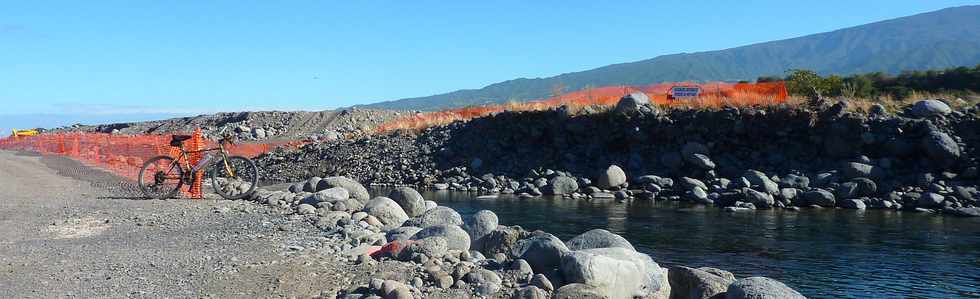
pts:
[716, 94]
[125, 155]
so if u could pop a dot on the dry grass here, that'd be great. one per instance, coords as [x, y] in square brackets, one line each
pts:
[714, 95]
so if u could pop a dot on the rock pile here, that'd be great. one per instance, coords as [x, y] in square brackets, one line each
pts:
[478, 256]
[260, 125]
[923, 158]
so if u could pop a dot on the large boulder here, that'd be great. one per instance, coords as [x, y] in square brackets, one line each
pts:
[479, 225]
[310, 185]
[930, 200]
[387, 211]
[542, 250]
[941, 148]
[616, 272]
[356, 190]
[501, 240]
[759, 199]
[430, 247]
[598, 238]
[409, 199]
[700, 283]
[758, 178]
[331, 194]
[456, 237]
[613, 176]
[820, 197]
[561, 185]
[930, 108]
[439, 216]
[633, 103]
[760, 288]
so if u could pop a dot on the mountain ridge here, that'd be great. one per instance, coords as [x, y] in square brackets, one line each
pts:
[933, 40]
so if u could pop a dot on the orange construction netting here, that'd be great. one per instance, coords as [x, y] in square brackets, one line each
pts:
[716, 94]
[125, 155]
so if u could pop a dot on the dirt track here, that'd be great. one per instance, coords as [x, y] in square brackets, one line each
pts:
[62, 237]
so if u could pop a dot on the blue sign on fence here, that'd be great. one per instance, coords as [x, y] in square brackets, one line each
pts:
[685, 91]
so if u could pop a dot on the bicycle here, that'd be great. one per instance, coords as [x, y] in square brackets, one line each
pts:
[232, 177]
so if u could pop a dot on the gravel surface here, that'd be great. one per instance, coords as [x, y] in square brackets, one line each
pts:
[65, 237]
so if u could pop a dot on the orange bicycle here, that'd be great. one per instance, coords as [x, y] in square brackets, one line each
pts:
[232, 177]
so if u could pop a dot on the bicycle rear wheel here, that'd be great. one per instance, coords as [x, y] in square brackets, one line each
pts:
[161, 177]
[236, 179]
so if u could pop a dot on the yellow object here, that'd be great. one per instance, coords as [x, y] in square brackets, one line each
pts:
[20, 133]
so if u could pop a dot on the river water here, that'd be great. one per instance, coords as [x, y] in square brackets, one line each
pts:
[826, 253]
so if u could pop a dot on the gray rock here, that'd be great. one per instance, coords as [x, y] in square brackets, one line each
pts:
[541, 281]
[409, 199]
[530, 292]
[455, 236]
[760, 288]
[305, 209]
[615, 272]
[560, 185]
[795, 181]
[310, 185]
[852, 170]
[542, 250]
[387, 211]
[758, 178]
[759, 199]
[580, 291]
[856, 204]
[439, 216]
[820, 197]
[391, 289]
[613, 176]
[598, 238]
[479, 225]
[432, 247]
[501, 240]
[699, 195]
[487, 282]
[633, 103]
[941, 148]
[522, 268]
[701, 161]
[331, 194]
[430, 205]
[355, 189]
[930, 200]
[930, 108]
[694, 283]
[690, 183]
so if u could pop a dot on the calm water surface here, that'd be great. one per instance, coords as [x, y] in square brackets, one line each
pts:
[825, 253]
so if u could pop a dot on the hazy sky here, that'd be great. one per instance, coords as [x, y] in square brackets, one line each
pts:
[173, 57]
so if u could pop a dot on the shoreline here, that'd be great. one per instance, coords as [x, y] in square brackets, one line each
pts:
[500, 261]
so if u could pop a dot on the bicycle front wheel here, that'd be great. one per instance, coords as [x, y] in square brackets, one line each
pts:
[161, 177]
[235, 177]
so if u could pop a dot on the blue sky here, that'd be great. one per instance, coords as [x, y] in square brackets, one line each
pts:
[108, 60]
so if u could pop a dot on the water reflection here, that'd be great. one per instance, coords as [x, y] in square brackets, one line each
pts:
[822, 253]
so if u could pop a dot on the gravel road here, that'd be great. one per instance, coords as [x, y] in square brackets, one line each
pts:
[65, 237]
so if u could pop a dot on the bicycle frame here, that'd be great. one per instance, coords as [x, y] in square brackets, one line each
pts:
[187, 161]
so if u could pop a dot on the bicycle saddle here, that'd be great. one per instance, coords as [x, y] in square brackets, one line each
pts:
[178, 140]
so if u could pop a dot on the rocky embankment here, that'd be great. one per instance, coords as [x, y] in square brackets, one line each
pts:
[923, 158]
[446, 255]
[258, 126]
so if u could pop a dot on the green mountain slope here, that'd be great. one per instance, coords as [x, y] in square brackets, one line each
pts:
[934, 40]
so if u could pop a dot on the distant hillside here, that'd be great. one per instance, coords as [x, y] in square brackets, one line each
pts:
[934, 40]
